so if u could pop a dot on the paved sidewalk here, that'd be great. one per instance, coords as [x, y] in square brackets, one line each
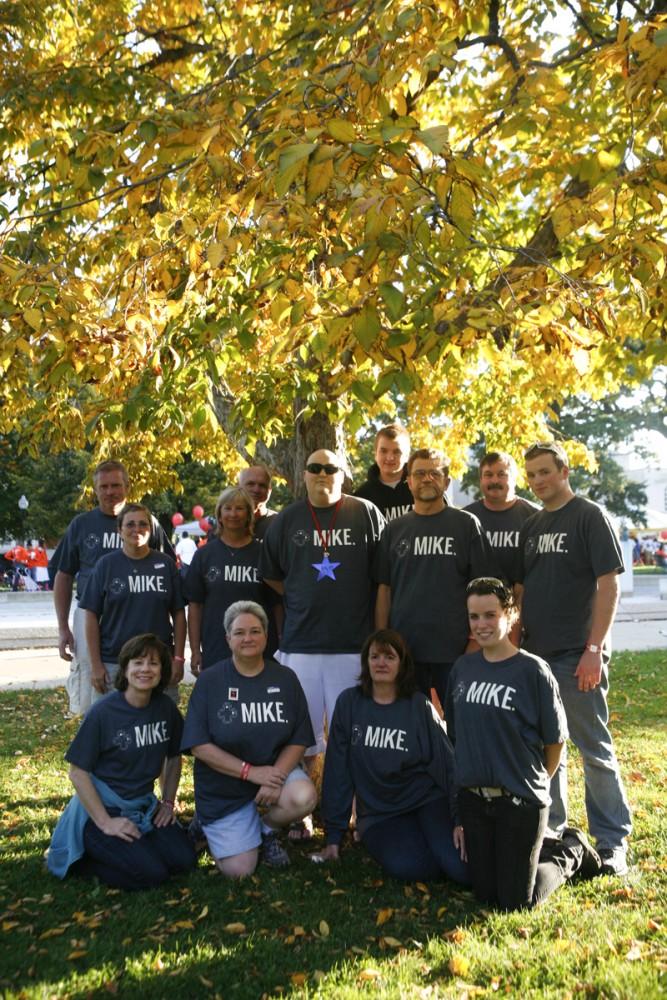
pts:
[29, 636]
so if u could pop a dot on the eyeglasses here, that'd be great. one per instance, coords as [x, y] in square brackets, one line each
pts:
[427, 474]
[316, 467]
[136, 524]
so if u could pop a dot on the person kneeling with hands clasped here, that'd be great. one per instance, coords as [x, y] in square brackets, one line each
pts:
[247, 727]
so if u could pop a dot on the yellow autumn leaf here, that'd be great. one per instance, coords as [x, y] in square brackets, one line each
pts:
[79, 953]
[369, 974]
[384, 915]
[391, 942]
[318, 178]
[341, 131]
[298, 978]
[324, 928]
[203, 913]
[459, 965]
[215, 253]
[234, 928]
[33, 318]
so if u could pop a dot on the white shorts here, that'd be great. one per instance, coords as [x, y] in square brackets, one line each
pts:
[241, 830]
[323, 676]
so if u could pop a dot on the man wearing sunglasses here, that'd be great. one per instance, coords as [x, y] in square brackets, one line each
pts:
[571, 562]
[424, 563]
[89, 537]
[318, 553]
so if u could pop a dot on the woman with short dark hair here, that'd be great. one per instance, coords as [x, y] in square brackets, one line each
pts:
[389, 749]
[508, 725]
[114, 827]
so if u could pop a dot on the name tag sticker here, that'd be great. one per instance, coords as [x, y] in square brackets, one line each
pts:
[233, 694]
[273, 690]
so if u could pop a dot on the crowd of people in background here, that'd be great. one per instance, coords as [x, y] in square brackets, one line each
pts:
[438, 657]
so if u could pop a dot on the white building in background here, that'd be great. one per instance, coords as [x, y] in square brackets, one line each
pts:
[653, 477]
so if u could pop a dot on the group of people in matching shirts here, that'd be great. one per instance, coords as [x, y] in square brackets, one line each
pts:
[367, 613]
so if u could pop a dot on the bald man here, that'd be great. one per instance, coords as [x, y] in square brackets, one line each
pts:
[318, 553]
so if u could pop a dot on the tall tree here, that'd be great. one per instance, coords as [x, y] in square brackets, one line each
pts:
[238, 227]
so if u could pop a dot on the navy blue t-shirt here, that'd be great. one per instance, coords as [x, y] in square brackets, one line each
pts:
[131, 596]
[126, 746]
[252, 718]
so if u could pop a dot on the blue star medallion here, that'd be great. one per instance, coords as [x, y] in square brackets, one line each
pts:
[325, 568]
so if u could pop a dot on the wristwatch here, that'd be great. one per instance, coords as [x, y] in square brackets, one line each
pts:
[593, 648]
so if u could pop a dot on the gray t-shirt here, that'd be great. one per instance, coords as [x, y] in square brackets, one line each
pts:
[252, 718]
[500, 716]
[219, 575]
[393, 758]
[126, 746]
[89, 537]
[132, 596]
[564, 552]
[428, 560]
[503, 528]
[328, 602]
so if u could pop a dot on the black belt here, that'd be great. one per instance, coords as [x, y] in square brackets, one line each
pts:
[490, 792]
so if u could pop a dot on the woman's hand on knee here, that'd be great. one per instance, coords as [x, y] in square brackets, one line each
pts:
[267, 795]
[458, 836]
[329, 853]
[121, 827]
[271, 776]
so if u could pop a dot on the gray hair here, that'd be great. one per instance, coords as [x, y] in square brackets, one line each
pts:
[245, 608]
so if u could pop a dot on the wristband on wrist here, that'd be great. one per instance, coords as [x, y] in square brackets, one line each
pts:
[592, 647]
[245, 770]
[178, 659]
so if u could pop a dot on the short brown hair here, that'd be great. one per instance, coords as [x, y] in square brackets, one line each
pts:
[492, 457]
[548, 448]
[111, 466]
[128, 508]
[138, 646]
[430, 455]
[392, 431]
[388, 638]
[481, 586]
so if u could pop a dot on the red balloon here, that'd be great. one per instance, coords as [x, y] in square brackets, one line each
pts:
[663, 534]
[197, 511]
[177, 519]
[204, 524]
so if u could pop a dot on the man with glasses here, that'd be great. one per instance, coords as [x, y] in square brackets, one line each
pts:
[256, 480]
[89, 537]
[571, 562]
[424, 563]
[501, 512]
[318, 553]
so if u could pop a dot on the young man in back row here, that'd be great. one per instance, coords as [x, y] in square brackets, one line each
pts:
[387, 483]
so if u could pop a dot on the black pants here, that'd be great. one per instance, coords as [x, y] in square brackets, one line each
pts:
[137, 864]
[433, 675]
[418, 845]
[508, 866]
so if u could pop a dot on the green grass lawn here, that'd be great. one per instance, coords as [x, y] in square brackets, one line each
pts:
[315, 931]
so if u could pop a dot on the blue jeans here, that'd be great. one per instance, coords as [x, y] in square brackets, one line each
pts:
[417, 845]
[607, 809]
[137, 864]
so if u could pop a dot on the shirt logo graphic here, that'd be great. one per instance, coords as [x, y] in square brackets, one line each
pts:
[228, 713]
[402, 548]
[233, 694]
[122, 739]
[212, 573]
[300, 537]
[159, 565]
[273, 690]
[91, 541]
[529, 547]
[356, 736]
[117, 586]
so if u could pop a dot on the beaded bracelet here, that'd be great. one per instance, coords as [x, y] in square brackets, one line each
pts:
[245, 770]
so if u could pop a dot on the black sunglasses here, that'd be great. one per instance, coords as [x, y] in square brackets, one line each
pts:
[316, 467]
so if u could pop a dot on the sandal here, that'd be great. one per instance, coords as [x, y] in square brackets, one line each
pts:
[303, 830]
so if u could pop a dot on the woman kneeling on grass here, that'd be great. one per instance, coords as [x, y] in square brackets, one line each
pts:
[114, 827]
[247, 727]
[508, 724]
[389, 748]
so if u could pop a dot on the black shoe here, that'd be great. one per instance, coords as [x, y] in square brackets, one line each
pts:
[591, 862]
[614, 861]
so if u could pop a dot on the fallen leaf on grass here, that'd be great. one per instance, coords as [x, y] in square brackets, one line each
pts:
[324, 928]
[53, 932]
[441, 912]
[77, 954]
[459, 965]
[337, 892]
[206, 982]
[298, 978]
[635, 953]
[369, 974]
[390, 942]
[384, 915]
[181, 925]
[234, 928]
[654, 925]
[457, 935]
[422, 888]
[203, 913]
[636, 776]
[299, 932]
[8, 924]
